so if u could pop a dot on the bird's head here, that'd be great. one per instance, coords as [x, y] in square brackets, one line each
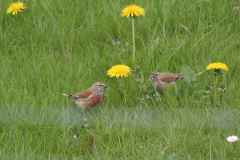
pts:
[98, 88]
[154, 76]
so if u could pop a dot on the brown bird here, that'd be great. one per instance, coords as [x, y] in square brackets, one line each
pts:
[162, 80]
[90, 97]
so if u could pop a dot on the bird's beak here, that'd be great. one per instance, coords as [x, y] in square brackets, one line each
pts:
[105, 86]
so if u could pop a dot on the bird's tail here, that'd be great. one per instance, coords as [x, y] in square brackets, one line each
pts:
[68, 95]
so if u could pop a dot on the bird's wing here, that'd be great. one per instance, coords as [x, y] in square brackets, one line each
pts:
[170, 77]
[84, 94]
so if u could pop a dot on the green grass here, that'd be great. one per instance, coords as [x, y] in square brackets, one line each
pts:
[64, 47]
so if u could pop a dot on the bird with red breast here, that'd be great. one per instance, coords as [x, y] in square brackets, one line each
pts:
[90, 97]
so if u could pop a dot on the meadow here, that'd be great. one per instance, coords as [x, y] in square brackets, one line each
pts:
[54, 47]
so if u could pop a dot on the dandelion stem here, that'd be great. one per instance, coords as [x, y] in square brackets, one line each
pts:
[120, 80]
[133, 34]
[65, 54]
[120, 50]
[216, 89]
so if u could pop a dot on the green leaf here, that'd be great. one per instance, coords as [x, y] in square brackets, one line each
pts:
[137, 79]
[188, 74]
[174, 87]
[117, 60]
[185, 28]
[113, 82]
[102, 63]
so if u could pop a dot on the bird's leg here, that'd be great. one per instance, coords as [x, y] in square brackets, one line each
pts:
[77, 133]
[83, 119]
[85, 115]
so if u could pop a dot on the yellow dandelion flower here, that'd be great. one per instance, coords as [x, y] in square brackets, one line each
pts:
[133, 11]
[16, 7]
[119, 71]
[217, 65]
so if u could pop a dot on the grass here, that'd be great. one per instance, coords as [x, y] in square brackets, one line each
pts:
[53, 48]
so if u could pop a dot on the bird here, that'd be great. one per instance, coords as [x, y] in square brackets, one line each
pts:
[90, 97]
[161, 81]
